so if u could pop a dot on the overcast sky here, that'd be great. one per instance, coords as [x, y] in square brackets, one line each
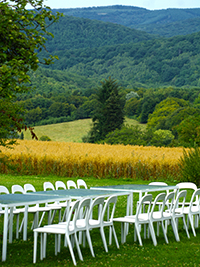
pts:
[149, 4]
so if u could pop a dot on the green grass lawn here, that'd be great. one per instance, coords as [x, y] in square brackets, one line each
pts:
[72, 131]
[183, 253]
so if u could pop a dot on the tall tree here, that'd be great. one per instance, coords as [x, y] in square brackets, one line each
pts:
[22, 36]
[109, 114]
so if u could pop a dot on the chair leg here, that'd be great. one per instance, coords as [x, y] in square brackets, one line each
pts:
[78, 247]
[90, 242]
[71, 249]
[115, 236]
[153, 235]
[35, 247]
[164, 232]
[175, 230]
[103, 239]
[186, 229]
[137, 229]
[190, 219]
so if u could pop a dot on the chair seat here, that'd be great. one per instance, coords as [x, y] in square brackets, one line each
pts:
[55, 229]
[194, 209]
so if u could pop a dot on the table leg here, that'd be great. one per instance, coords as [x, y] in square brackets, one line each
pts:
[5, 234]
[11, 225]
[25, 223]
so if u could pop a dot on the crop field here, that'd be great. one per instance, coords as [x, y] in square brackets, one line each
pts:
[31, 157]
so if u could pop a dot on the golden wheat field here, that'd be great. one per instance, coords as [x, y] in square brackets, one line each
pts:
[98, 160]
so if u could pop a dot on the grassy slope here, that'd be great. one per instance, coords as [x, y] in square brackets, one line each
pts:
[68, 131]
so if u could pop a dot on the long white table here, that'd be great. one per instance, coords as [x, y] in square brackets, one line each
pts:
[134, 188]
[9, 201]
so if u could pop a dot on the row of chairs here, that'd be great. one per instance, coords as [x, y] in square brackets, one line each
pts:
[171, 208]
[49, 209]
[84, 215]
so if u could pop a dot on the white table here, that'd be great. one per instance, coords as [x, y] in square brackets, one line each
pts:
[9, 201]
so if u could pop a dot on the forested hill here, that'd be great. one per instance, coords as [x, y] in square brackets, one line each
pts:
[173, 61]
[73, 33]
[165, 22]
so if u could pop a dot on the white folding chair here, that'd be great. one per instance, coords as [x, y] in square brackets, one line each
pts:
[193, 209]
[68, 230]
[140, 218]
[81, 183]
[71, 184]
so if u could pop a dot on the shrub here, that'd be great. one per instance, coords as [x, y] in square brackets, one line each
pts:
[45, 138]
[189, 165]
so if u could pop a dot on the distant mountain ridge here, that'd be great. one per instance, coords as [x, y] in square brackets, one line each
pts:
[141, 18]
[75, 33]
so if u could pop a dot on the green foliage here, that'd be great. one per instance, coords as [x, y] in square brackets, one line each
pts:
[165, 22]
[190, 164]
[45, 138]
[189, 131]
[21, 36]
[173, 61]
[162, 138]
[109, 114]
[162, 110]
[129, 135]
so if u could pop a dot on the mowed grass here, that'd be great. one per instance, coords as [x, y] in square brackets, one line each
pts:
[183, 253]
[72, 131]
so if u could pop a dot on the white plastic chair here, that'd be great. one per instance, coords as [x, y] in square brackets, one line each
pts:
[100, 221]
[37, 208]
[185, 186]
[156, 183]
[53, 206]
[193, 209]
[60, 184]
[68, 230]
[81, 183]
[141, 217]
[18, 189]
[176, 212]
[157, 216]
[71, 184]
[4, 190]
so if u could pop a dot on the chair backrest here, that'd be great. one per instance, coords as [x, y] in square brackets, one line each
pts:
[159, 198]
[160, 183]
[48, 185]
[72, 216]
[29, 187]
[71, 184]
[109, 209]
[17, 189]
[60, 184]
[179, 202]
[4, 190]
[169, 201]
[98, 203]
[147, 199]
[186, 185]
[194, 198]
[83, 208]
[81, 183]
